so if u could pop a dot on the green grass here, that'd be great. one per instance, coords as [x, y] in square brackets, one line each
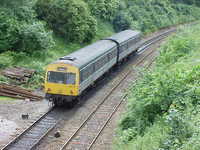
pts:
[150, 141]
[3, 98]
[105, 29]
[163, 106]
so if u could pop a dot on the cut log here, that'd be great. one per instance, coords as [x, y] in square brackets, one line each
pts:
[18, 73]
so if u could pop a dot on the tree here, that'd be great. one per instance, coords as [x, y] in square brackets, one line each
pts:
[69, 18]
[122, 21]
[105, 9]
[19, 28]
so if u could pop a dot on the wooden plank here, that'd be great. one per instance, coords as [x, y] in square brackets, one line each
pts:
[20, 90]
[15, 91]
[18, 94]
[12, 96]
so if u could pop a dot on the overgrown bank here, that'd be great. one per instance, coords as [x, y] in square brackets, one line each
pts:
[34, 33]
[163, 106]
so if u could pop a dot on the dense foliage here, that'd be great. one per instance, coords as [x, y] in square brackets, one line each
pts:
[190, 2]
[77, 20]
[105, 9]
[122, 21]
[20, 30]
[163, 106]
[70, 18]
[149, 16]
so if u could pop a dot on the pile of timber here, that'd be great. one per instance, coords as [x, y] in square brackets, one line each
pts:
[18, 92]
[18, 73]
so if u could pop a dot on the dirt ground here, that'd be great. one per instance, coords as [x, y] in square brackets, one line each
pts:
[11, 122]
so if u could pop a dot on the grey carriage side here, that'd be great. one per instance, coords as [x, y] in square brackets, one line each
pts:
[129, 42]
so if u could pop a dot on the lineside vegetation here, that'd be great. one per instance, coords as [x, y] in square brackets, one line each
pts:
[163, 106]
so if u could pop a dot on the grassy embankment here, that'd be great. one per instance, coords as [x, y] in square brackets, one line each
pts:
[163, 111]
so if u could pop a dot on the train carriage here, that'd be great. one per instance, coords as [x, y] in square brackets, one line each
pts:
[69, 76]
[128, 42]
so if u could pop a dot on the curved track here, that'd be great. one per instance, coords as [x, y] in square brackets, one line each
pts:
[86, 135]
[88, 132]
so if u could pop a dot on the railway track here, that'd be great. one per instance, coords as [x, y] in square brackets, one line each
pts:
[89, 131]
[31, 137]
[149, 42]
[83, 137]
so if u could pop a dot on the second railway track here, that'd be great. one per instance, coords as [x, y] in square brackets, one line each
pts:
[88, 132]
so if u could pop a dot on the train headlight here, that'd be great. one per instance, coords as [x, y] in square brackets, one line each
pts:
[71, 91]
[48, 90]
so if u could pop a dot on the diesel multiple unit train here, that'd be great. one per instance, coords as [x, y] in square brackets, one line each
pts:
[68, 77]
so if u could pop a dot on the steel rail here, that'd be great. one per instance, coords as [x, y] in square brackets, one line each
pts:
[115, 110]
[146, 44]
[100, 104]
[143, 47]
[160, 37]
[11, 145]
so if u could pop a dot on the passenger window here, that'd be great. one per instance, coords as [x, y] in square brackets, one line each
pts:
[121, 49]
[130, 43]
[110, 55]
[85, 73]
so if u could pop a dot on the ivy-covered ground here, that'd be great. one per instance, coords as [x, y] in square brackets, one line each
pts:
[163, 111]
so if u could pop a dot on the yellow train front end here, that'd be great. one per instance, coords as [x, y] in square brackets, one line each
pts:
[61, 83]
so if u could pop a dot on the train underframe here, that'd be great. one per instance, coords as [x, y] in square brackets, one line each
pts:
[60, 100]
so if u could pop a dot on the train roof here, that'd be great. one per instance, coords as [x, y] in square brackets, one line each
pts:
[125, 35]
[84, 56]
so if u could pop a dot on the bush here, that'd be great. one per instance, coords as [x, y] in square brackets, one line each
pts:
[170, 94]
[70, 18]
[122, 21]
[149, 16]
[25, 14]
[33, 37]
[17, 34]
[9, 31]
[5, 59]
[105, 9]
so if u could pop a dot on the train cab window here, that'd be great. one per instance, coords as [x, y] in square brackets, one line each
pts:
[56, 77]
[61, 78]
[71, 78]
